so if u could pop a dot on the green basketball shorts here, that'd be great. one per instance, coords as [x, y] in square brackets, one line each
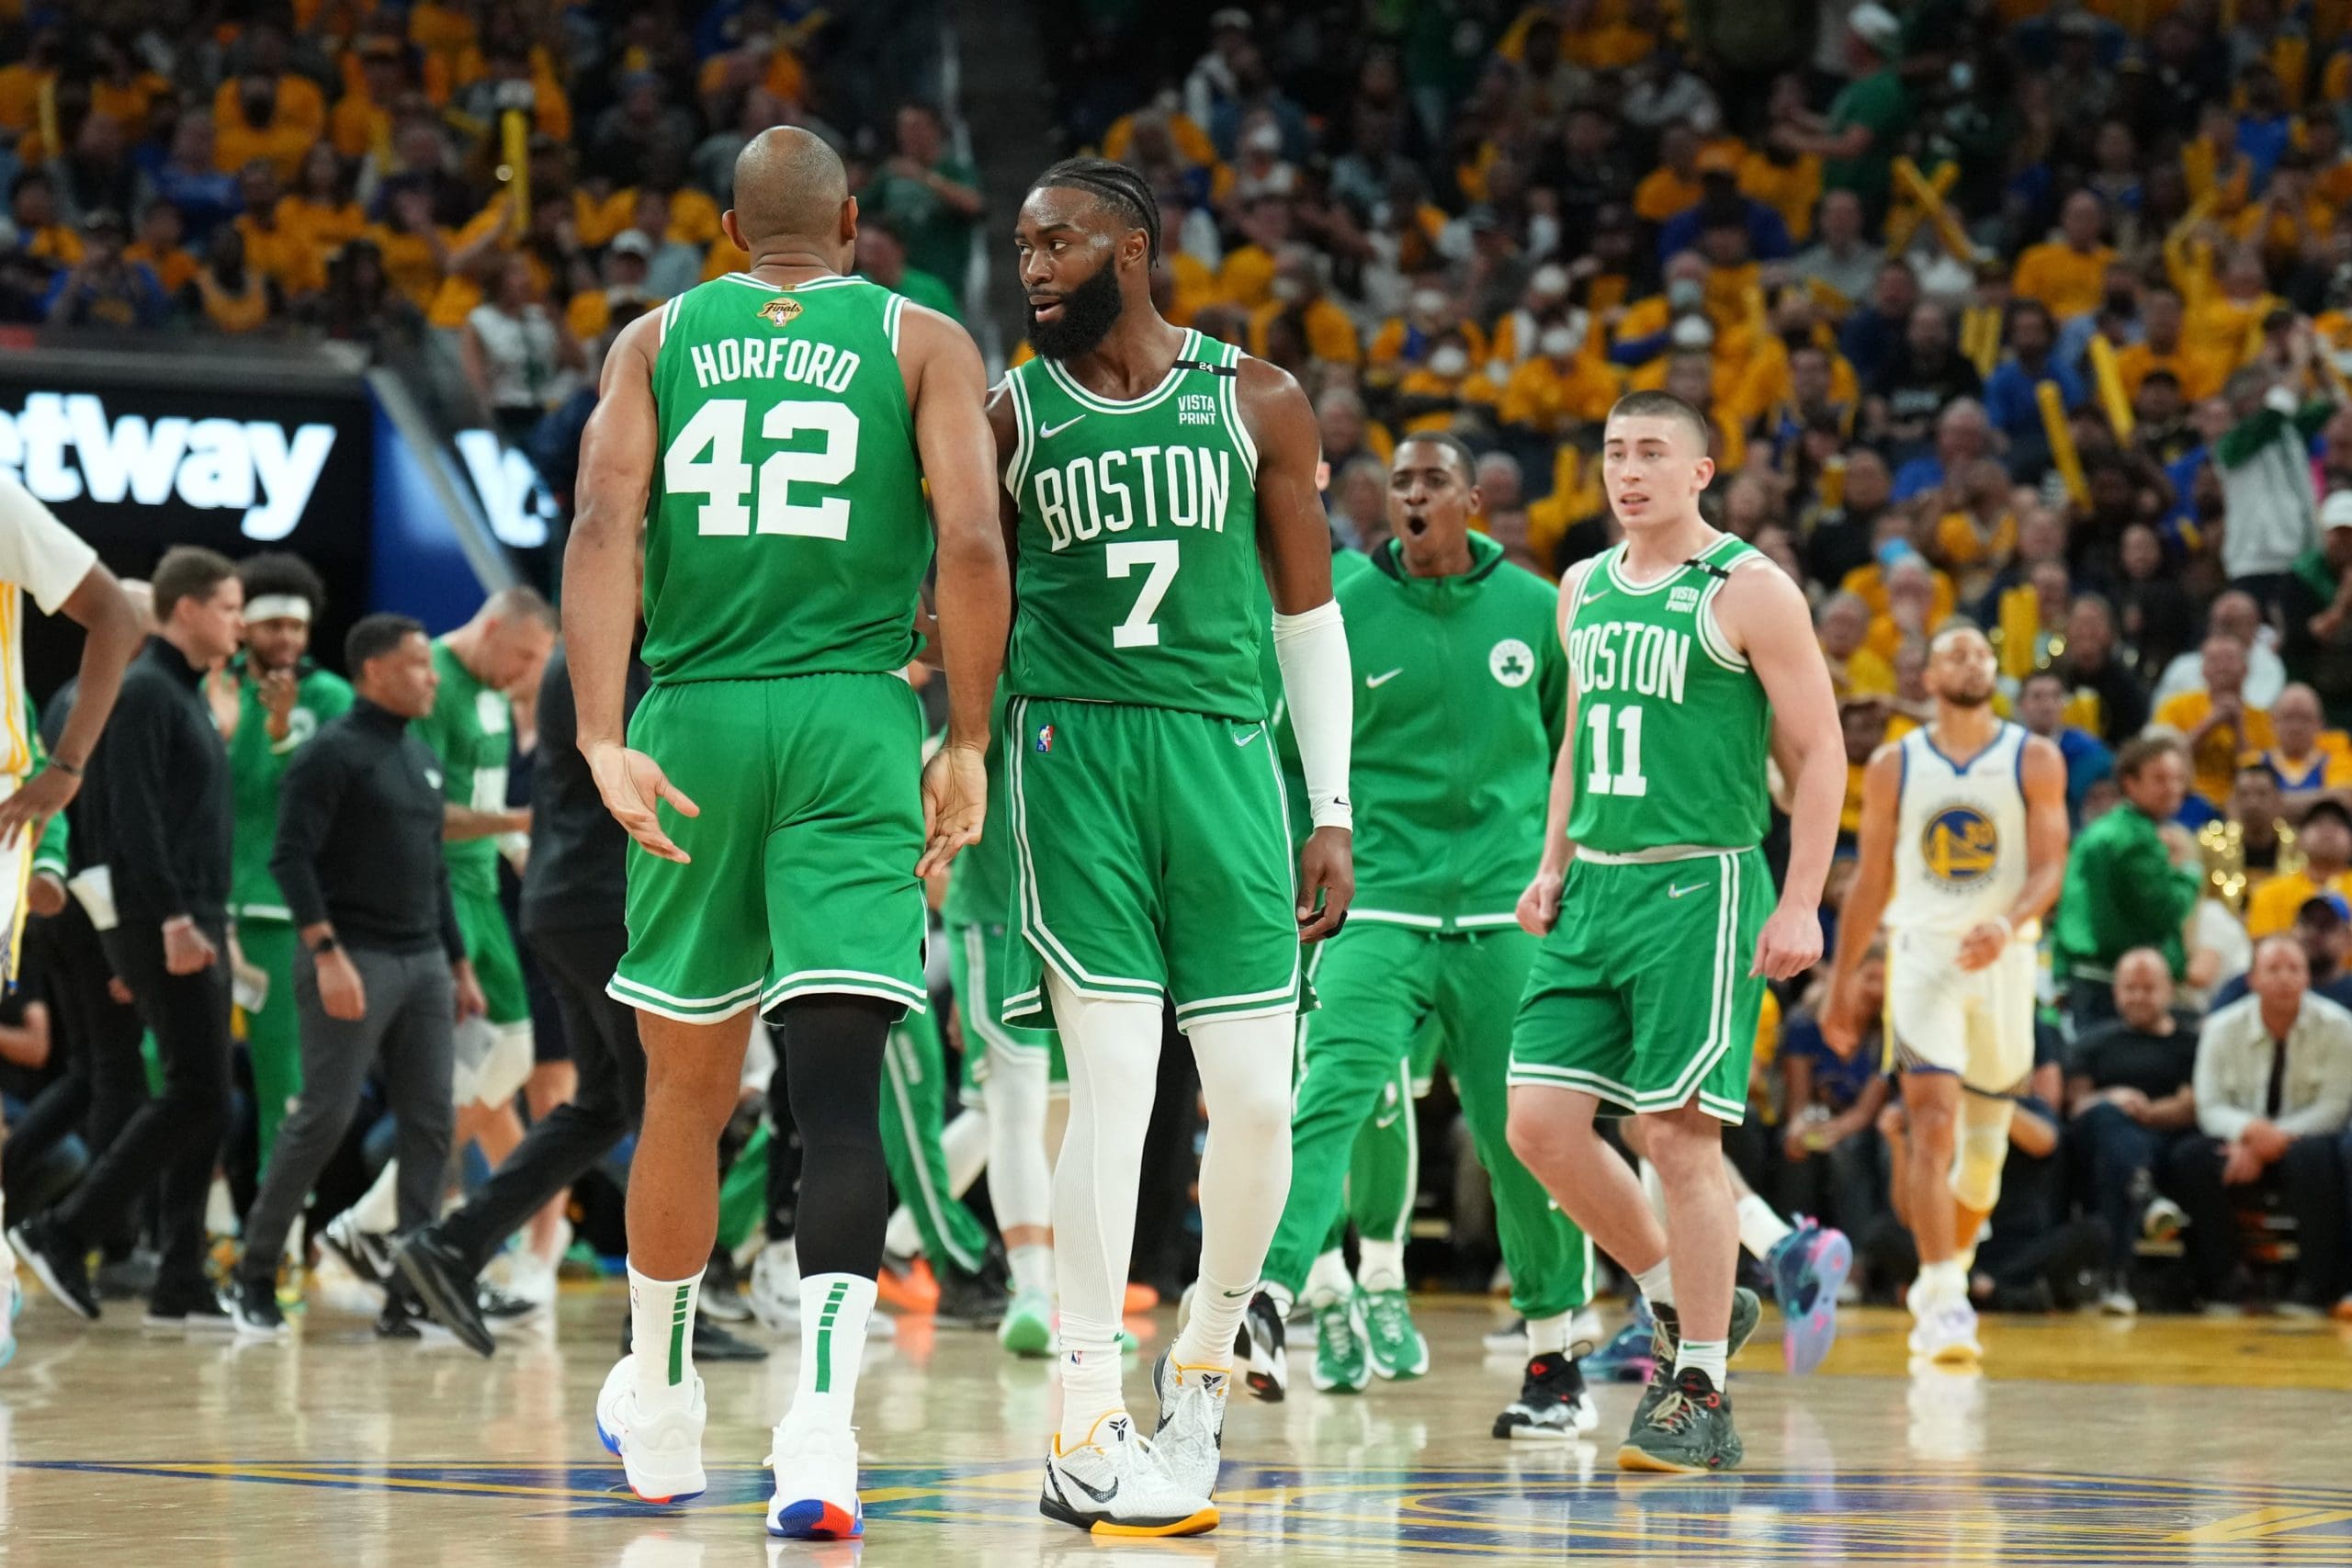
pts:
[490, 948]
[802, 879]
[976, 969]
[1641, 995]
[1152, 860]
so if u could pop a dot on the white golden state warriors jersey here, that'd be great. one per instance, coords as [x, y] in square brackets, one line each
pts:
[1960, 855]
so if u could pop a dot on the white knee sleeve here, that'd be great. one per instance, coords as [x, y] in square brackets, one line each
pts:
[1984, 1149]
[965, 1144]
[1245, 1171]
[1020, 1177]
[1114, 1051]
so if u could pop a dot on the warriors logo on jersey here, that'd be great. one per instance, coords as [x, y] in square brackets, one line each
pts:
[1960, 846]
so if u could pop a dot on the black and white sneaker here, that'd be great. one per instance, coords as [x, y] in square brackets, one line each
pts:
[1258, 1346]
[435, 1274]
[1112, 1483]
[968, 1301]
[191, 1307]
[1552, 1403]
[365, 1253]
[60, 1263]
[253, 1309]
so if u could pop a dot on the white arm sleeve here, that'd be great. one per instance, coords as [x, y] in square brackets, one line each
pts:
[1319, 692]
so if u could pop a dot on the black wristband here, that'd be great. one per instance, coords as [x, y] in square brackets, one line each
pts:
[323, 946]
[62, 766]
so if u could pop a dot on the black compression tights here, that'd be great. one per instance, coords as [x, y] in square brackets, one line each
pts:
[831, 1063]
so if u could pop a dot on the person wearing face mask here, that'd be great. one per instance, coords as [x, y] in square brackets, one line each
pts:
[1433, 394]
[1516, 332]
[1432, 318]
[1674, 318]
[1563, 385]
[1297, 296]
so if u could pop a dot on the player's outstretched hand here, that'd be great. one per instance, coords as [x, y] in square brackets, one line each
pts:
[1327, 877]
[1790, 943]
[955, 804]
[631, 783]
[1538, 906]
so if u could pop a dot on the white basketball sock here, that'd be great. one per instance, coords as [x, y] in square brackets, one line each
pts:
[1245, 1172]
[1328, 1280]
[1761, 1229]
[1031, 1267]
[1656, 1283]
[1549, 1335]
[661, 1340]
[1380, 1265]
[833, 1312]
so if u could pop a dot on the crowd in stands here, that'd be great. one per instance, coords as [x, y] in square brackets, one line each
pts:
[2036, 314]
[508, 182]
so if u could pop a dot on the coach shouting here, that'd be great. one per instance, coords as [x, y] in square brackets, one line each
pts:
[381, 979]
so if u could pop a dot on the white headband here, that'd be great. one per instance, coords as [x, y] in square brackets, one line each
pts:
[279, 607]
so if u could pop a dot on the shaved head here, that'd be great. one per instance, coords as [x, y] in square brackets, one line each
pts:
[790, 192]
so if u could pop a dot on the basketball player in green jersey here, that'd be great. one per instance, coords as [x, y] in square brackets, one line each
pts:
[280, 698]
[769, 434]
[1151, 476]
[1462, 702]
[1691, 660]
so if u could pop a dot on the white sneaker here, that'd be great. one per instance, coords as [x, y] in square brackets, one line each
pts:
[2163, 1219]
[776, 1288]
[1190, 1438]
[661, 1455]
[816, 1486]
[2116, 1302]
[1112, 1484]
[1947, 1335]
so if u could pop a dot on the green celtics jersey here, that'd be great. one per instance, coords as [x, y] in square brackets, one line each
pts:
[786, 532]
[979, 883]
[471, 729]
[1672, 726]
[1137, 579]
[256, 764]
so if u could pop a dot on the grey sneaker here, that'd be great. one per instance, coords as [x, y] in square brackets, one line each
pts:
[1687, 1431]
[1666, 1337]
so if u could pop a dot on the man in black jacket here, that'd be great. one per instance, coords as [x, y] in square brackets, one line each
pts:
[382, 978]
[158, 812]
[572, 892]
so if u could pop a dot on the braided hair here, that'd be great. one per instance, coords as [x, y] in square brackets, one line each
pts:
[1123, 189]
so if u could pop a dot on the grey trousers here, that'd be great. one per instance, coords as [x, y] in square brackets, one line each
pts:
[406, 1038]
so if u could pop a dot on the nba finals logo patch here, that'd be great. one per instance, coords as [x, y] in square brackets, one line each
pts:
[779, 311]
[1682, 599]
[1046, 738]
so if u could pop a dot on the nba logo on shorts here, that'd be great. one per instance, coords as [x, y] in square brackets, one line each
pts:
[1046, 738]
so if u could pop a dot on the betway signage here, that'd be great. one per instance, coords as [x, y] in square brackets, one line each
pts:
[141, 450]
[67, 446]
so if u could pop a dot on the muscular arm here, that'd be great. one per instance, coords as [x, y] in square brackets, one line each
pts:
[616, 460]
[111, 638]
[1310, 641]
[949, 391]
[1866, 896]
[600, 582]
[2045, 777]
[1764, 617]
[1556, 848]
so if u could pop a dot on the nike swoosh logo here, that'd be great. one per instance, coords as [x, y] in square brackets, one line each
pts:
[1048, 431]
[1678, 892]
[1245, 739]
[1372, 682]
[1100, 1496]
[1246, 1290]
